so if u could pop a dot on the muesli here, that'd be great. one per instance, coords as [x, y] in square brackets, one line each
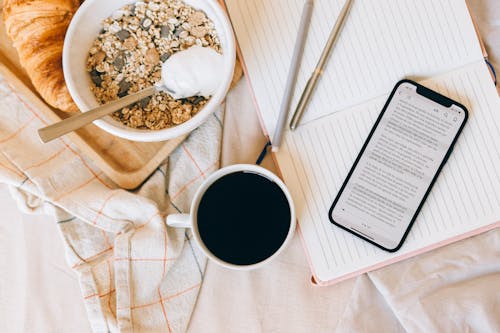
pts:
[127, 55]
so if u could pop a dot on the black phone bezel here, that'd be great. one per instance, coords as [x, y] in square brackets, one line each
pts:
[434, 96]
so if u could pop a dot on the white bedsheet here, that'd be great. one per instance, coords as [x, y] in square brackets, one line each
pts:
[452, 289]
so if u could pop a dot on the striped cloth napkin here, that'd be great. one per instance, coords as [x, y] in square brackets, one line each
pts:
[136, 274]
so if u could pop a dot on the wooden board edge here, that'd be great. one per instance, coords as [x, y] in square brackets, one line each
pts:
[127, 180]
[132, 180]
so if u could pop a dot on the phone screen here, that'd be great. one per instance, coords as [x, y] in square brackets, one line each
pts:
[398, 164]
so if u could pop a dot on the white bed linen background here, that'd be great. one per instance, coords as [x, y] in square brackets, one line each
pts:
[451, 289]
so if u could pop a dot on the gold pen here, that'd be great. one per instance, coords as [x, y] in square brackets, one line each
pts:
[311, 83]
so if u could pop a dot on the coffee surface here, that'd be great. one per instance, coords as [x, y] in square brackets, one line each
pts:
[243, 218]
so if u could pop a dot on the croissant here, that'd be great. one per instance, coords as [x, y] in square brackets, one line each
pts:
[37, 29]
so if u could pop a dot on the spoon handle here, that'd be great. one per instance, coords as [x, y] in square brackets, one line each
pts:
[70, 124]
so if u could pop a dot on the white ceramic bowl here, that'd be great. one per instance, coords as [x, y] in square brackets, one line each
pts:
[84, 29]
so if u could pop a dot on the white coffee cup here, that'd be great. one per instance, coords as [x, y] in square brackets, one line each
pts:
[190, 220]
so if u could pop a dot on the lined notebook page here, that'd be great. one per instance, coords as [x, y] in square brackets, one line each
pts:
[382, 41]
[316, 159]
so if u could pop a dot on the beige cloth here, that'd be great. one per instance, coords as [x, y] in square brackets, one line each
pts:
[135, 273]
[449, 289]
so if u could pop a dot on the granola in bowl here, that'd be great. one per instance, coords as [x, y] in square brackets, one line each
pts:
[127, 55]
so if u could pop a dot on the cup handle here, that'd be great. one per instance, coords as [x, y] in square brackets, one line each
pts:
[179, 220]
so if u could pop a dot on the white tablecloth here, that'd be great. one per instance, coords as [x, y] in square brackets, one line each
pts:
[44, 296]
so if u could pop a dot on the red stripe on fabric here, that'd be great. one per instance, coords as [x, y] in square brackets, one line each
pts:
[182, 292]
[192, 160]
[183, 188]
[106, 239]
[164, 299]
[96, 175]
[149, 220]
[75, 189]
[14, 171]
[100, 295]
[20, 99]
[46, 160]
[17, 131]
[145, 259]
[164, 255]
[92, 257]
[161, 279]
[99, 212]
[164, 312]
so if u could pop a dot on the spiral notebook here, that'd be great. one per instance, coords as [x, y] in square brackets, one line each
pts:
[383, 41]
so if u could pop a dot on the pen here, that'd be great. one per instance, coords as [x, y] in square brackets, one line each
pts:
[311, 83]
[298, 50]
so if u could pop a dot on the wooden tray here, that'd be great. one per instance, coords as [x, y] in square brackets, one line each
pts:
[127, 163]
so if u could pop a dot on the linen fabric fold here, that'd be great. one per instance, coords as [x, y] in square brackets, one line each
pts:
[136, 274]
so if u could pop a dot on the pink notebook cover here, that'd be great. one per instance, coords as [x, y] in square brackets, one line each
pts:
[314, 279]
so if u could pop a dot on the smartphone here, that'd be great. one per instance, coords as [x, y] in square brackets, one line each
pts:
[398, 164]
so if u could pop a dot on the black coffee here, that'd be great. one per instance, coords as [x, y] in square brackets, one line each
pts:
[243, 218]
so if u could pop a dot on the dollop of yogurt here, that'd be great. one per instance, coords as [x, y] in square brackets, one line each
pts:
[196, 71]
